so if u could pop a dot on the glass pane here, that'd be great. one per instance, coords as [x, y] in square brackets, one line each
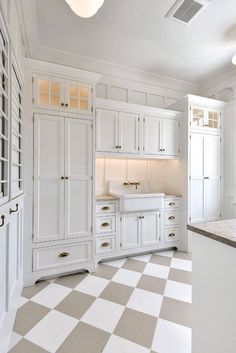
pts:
[43, 86]
[55, 88]
[83, 104]
[213, 120]
[74, 103]
[43, 98]
[74, 91]
[84, 92]
[55, 100]
[198, 117]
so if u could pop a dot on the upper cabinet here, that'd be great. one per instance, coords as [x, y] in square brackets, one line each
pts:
[64, 95]
[205, 119]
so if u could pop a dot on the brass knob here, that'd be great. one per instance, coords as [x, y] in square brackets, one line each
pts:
[105, 208]
[120, 147]
[62, 178]
[163, 149]
[3, 221]
[105, 224]
[66, 105]
[66, 177]
[64, 254]
[62, 104]
[105, 244]
[117, 146]
[171, 234]
[171, 217]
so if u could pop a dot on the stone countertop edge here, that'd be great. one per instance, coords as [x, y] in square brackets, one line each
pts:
[209, 234]
[111, 198]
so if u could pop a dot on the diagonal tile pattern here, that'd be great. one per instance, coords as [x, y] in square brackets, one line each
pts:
[129, 305]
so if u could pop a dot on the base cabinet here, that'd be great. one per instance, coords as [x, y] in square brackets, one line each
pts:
[131, 231]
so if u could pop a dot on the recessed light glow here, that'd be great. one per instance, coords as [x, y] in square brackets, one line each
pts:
[234, 59]
[85, 8]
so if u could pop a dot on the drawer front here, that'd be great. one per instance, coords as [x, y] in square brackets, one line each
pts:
[103, 208]
[171, 203]
[105, 224]
[171, 217]
[171, 234]
[105, 244]
[57, 256]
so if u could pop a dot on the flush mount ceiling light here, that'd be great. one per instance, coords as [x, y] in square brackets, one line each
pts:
[85, 8]
[234, 59]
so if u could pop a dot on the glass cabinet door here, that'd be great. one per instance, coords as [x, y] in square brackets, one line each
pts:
[198, 117]
[78, 97]
[49, 92]
[213, 119]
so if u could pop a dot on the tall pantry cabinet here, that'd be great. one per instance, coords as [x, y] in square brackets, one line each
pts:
[201, 162]
[62, 139]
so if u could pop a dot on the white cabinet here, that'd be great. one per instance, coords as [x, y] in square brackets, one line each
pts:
[62, 178]
[205, 119]
[161, 136]
[117, 131]
[140, 229]
[58, 94]
[205, 162]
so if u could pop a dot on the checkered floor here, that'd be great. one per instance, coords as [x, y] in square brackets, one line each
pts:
[136, 305]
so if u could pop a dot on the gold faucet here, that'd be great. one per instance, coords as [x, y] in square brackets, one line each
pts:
[132, 183]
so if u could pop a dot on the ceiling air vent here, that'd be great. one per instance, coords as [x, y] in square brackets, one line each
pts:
[186, 10]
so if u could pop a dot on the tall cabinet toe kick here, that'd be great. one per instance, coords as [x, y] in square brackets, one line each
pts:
[127, 233]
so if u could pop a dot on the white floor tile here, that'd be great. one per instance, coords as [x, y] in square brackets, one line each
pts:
[92, 285]
[146, 302]
[51, 295]
[180, 291]
[181, 264]
[52, 330]
[103, 314]
[22, 301]
[120, 345]
[15, 338]
[127, 277]
[168, 253]
[171, 338]
[156, 270]
[116, 263]
[144, 258]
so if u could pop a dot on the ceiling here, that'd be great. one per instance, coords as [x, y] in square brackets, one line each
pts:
[136, 34]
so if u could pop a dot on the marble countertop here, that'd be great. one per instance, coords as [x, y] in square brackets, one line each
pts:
[222, 231]
[106, 198]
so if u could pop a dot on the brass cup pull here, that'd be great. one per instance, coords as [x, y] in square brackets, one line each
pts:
[171, 217]
[105, 224]
[64, 254]
[3, 221]
[172, 235]
[171, 204]
[104, 245]
[105, 208]
[13, 211]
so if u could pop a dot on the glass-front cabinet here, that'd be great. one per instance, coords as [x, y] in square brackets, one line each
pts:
[205, 118]
[55, 93]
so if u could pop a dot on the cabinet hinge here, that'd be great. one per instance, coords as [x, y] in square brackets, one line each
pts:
[32, 100]
[138, 148]
[144, 120]
[159, 215]
[178, 150]
[91, 126]
[159, 238]
[32, 236]
[190, 177]
[190, 218]
[92, 90]
[143, 148]
[190, 137]
[121, 245]
[220, 139]
[138, 119]
[190, 109]
[121, 219]
[178, 124]
[91, 177]
[92, 109]
[91, 229]
[32, 79]
[220, 215]
[33, 177]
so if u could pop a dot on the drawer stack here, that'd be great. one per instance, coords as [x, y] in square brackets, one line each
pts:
[171, 219]
[106, 227]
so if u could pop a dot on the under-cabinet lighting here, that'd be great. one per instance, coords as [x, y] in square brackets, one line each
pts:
[85, 8]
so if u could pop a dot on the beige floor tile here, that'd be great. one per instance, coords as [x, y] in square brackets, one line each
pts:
[29, 292]
[28, 316]
[85, 339]
[71, 281]
[180, 276]
[176, 311]
[152, 284]
[136, 327]
[75, 304]
[105, 271]
[117, 293]
[134, 265]
[25, 346]
[160, 260]
[182, 255]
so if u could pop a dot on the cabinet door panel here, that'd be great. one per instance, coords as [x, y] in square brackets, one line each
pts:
[129, 132]
[48, 185]
[3, 271]
[197, 200]
[48, 92]
[78, 169]
[212, 200]
[78, 97]
[212, 156]
[151, 135]
[130, 231]
[106, 130]
[197, 156]
[170, 137]
[198, 119]
[150, 228]
[213, 119]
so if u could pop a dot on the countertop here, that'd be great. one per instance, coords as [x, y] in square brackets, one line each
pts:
[111, 198]
[222, 231]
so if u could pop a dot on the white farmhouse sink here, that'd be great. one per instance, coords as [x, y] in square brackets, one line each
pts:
[132, 199]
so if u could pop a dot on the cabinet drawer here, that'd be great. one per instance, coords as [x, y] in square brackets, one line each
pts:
[57, 256]
[105, 244]
[106, 224]
[171, 203]
[103, 208]
[171, 217]
[171, 234]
